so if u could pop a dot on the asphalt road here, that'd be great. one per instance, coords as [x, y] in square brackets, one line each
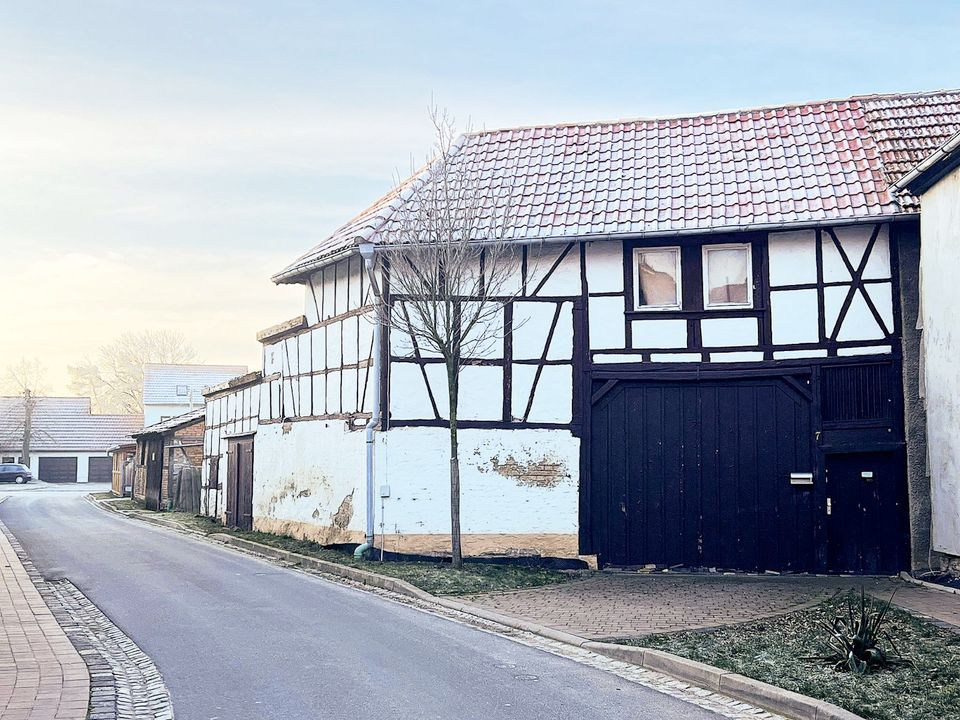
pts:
[236, 637]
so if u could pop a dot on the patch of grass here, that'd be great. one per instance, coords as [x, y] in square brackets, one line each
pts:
[127, 505]
[774, 651]
[102, 495]
[434, 577]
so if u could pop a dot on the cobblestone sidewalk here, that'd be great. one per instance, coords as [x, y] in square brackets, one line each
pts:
[617, 605]
[42, 676]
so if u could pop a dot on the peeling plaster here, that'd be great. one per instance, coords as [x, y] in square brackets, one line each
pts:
[546, 471]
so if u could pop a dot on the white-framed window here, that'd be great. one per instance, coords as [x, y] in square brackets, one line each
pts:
[656, 278]
[727, 276]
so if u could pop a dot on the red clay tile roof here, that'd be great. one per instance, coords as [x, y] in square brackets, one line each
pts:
[821, 161]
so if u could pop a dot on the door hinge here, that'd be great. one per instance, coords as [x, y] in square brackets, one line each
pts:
[829, 506]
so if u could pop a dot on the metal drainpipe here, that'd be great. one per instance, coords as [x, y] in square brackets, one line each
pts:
[366, 252]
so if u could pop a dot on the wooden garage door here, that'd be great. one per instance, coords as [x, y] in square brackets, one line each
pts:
[57, 469]
[100, 469]
[698, 474]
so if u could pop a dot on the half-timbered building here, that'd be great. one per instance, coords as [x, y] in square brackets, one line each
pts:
[704, 365]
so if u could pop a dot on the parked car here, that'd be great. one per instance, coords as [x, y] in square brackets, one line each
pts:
[14, 472]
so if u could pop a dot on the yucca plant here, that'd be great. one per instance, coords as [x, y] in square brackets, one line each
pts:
[858, 642]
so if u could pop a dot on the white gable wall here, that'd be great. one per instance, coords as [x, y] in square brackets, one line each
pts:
[940, 308]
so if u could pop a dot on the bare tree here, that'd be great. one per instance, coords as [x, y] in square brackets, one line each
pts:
[27, 379]
[114, 381]
[451, 271]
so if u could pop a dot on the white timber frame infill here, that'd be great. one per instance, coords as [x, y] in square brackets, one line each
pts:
[523, 379]
[811, 293]
[230, 412]
[322, 369]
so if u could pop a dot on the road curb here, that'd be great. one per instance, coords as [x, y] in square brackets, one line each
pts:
[764, 695]
[907, 577]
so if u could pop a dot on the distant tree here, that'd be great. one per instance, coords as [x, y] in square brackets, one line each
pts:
[451, 269]
[26, 379]
[114, 381]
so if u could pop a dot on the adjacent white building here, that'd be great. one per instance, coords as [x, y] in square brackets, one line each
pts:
[67, 442]
[937, 181]
[173, 389]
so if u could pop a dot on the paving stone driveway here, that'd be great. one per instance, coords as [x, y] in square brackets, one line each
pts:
[620, 604]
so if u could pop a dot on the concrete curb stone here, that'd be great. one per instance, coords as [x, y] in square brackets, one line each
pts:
[907, 577]
[769, 697]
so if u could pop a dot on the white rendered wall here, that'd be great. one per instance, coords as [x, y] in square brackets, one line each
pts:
[309, 480]
[940, 307]
[414, 462]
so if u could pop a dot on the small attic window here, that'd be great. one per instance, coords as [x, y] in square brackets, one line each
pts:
[182, 390]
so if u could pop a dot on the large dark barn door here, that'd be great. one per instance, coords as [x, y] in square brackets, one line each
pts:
[240, 483]
[698, 474]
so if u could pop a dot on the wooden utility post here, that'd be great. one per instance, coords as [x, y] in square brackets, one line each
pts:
[27, 424]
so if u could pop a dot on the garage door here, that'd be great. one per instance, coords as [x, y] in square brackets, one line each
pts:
[698, 474]
[57, 469]
[100, 469]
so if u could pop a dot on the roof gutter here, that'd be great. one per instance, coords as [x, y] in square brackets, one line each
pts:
[914, 181]
[294, 276]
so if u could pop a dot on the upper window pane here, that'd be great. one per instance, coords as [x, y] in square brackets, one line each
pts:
[727, 276]
[657, 278]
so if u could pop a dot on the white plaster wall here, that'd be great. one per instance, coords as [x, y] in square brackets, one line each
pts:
[531, 322]
[415, 463]
[553, 399]
[792, 257]
[940, 307]
[304, 474]
[659, 334]
[795, 317]
[155, 413]
[728, 332]
[564, 280]
[854, 239]
[606, 323]
[604, 266]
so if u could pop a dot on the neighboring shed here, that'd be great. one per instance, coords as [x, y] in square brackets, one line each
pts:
[173, 389]
[124, 464]
[168, 460]
[67, 442]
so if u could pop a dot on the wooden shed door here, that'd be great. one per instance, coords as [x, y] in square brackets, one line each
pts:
[154, 484]
[698, 474]
[240, 483]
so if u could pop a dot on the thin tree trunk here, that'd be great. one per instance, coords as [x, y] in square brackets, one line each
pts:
[453, 382]
[27, 426]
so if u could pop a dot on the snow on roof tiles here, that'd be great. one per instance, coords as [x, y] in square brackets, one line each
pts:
[820, 161]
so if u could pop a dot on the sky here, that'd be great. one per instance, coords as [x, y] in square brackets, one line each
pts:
[161, 159]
